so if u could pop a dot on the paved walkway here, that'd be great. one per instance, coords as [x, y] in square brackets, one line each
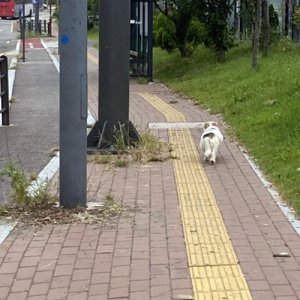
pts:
[192, 230]
[33, 115]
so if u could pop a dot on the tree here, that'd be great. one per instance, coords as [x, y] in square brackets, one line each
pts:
[265, 28]
[180, 13]
[164, 32]
[215, 15]
[93, 7]
[256, 35]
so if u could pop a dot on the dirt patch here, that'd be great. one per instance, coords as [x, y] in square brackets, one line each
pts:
[51, 213]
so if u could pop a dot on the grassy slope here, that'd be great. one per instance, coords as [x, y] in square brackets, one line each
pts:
[263, 107]
[93, 34]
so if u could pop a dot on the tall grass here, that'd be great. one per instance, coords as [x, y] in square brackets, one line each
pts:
[262, 107]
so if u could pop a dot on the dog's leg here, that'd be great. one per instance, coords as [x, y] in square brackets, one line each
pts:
[215, 147]
[207, 148]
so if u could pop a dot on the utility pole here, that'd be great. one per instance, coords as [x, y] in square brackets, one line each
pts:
[73, 102]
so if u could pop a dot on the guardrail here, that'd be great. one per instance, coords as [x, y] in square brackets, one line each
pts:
[4, 91]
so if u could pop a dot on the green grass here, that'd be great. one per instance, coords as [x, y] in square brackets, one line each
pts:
[93, 34]
[262, 107]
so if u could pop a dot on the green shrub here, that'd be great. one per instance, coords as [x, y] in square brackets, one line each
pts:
[196, 32]
[165, 34]
[286, 45]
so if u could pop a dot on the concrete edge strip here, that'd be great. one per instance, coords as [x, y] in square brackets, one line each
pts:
[5, 229]
[288, 212]
[45, 175]
[168, 125]
[53, 58]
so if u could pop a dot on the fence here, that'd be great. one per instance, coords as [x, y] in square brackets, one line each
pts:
[43, 26]
[4, 92]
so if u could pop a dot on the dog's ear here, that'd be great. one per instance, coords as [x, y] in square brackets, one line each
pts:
[206, 125]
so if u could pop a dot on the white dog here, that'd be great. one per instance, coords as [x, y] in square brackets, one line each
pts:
[210, 141]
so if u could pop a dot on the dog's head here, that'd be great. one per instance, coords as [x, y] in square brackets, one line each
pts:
[209, 124]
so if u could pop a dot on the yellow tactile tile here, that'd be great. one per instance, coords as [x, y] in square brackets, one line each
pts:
[214, 268]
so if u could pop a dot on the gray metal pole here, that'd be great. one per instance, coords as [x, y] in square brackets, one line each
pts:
[4, 90]
[36, 16]
[73, 102]
[23, 30]
[150, 41]
[114, 63]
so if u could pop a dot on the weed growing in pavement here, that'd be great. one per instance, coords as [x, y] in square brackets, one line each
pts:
[36, 207]
[120, 138]
[121, 162]
[147, 149]
[99, 158]
[3, 210]
[21, 194]
[110, 207]
[32, 176]
[142, 80]
[19, 184]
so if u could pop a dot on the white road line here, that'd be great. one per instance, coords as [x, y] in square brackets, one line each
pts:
[5, 229]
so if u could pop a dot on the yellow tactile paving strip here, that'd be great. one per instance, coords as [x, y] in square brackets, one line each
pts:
[214, 268]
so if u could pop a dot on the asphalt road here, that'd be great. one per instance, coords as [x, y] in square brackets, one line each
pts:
[8, 38]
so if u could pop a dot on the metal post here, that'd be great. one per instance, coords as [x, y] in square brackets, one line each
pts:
[113, 108]
[150, 41]
[50, 20]
[36, 16]
[23, 26]
[114, 66]
[4, 93]
[73, 102]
